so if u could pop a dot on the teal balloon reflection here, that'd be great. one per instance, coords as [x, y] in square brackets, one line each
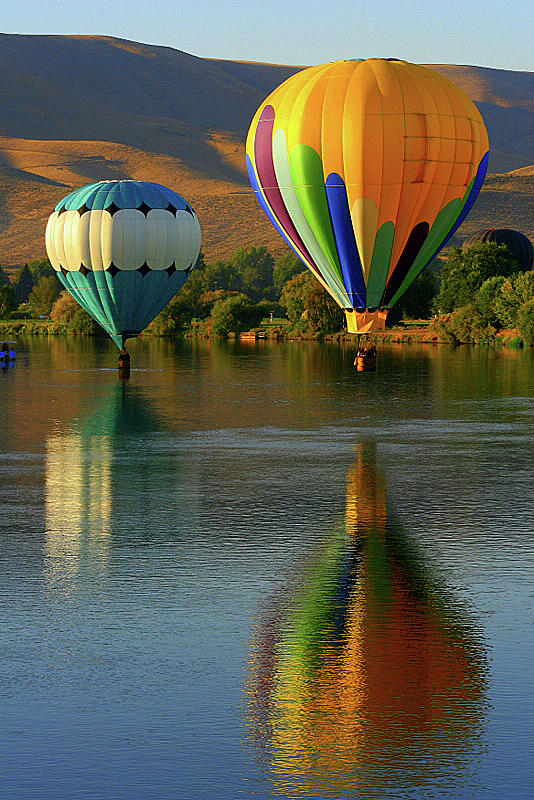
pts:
[99, 487]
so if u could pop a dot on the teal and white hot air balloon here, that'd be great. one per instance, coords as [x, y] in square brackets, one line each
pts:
[123, 249]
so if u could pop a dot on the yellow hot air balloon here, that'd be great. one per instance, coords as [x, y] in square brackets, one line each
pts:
[367, 168]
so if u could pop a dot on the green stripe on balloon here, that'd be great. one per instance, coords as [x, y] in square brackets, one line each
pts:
[439, 230]
[307, 174]
[444, 226]
[378, 272]
[300, 222]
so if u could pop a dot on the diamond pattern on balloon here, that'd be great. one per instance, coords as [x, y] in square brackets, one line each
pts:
[144, 208]
[171, 269]
[143, 269]
[112, 269]
[84, 270]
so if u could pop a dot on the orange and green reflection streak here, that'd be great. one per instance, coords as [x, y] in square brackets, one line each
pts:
[364, 674]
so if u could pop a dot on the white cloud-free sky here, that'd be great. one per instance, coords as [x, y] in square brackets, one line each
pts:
[491, 33]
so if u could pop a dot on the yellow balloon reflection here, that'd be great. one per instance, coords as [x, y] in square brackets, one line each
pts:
[368, 677]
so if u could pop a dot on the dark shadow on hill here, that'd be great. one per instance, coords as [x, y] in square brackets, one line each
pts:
[97, 168]
[80, 89]
[263, 77]
[7, 172]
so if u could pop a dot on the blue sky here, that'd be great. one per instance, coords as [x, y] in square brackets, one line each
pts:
[492, 33]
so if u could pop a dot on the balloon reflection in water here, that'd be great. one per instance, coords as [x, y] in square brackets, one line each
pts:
[86, 483]
[368, 676]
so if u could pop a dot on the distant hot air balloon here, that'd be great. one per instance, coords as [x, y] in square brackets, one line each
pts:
[519, 245]
[367, 168]
[123, 249]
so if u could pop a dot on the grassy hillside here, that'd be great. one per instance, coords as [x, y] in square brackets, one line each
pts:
[79, 109]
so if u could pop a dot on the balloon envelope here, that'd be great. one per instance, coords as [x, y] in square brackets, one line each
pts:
[518, 244]
[367, 168]
[123, 249]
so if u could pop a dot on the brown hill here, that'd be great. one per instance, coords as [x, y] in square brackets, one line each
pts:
[78, 109]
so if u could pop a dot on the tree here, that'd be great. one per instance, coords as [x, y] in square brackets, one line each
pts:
[207, 300]
[67, 311]
[200, 263]
[324, 314]
[487, 298]
[303, 293]
[40, 268]
[466, 270]
[285, 268]
[64, 307]
[416, 302]
[234, 314]
[294, 297]
[221, 275]
[255, 266]
[176, 315]
[190, 293]
[24, 285]
[514, 292]
[7, 300]
[44, 294]
[268, 307]
[4, 277]
[464, 323]
[526, 321]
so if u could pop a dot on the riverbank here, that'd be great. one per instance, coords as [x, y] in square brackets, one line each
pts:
[433, 332]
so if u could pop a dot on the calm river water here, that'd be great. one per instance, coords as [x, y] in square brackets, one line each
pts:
[250, 572]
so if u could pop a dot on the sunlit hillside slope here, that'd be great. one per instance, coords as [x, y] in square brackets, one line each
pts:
[80, 109]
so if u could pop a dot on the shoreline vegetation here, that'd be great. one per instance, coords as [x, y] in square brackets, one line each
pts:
[425, 332]
[478, 295]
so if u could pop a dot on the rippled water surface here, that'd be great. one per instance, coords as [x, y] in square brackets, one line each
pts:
[251, 572]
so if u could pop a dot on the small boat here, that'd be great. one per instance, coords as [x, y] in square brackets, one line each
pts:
[7, 352]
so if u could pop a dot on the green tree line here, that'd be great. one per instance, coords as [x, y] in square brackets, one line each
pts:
[482, 292]
[479, 291]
